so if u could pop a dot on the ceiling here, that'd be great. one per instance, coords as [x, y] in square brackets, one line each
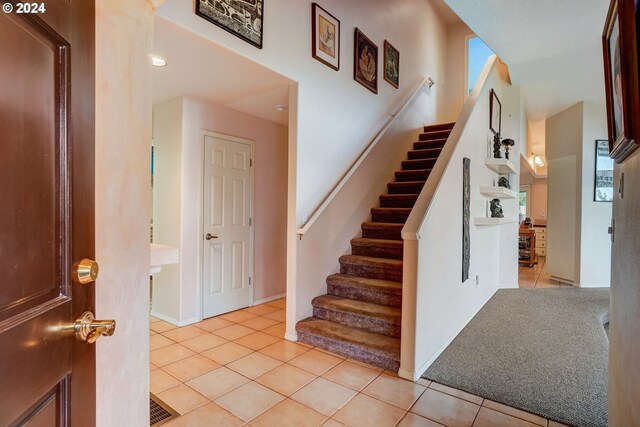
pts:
[552, 47]
[197, 66]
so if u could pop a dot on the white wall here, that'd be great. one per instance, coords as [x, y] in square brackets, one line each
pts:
[178, 200]
[455, 78]
[537, 194]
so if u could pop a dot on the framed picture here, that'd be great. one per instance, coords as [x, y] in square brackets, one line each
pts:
[603, 189]
[365, 62]
[620, 53]
[241, 18]
[325, 43]
[495, 113]
[391, 64]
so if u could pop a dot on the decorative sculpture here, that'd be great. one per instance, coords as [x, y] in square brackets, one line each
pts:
[504, 182]
[496, 209]
[496, 146]
[507, 143]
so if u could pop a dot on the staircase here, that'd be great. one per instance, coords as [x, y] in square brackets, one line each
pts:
[360, 315]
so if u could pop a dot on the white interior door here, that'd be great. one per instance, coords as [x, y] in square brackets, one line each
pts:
[226, 230]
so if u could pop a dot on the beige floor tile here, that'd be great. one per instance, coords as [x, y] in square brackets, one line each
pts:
[424, 382]
[158, 341]
[490, 418]
[169, 354]
[161, 326]
[226, 353]
[238, 316]
[210, 415]
[254, 365]
[184, 333]
[332, 423]
[233, 332]
[362, 410]
[514, 412]
[330, 353]
[279, 303]
[556, 424]
[203, 342]
[153, 319]
[445, 409]
[289, 413]
[350, 375]
[191, 367]
[257, 340]
[279, 316]
[160, 381]
[284, 350]
[152, 333]
[324, 396]
[315, 361]
[366, 365]
[457, 393]
[212, 324]
[152, 367]
[394, 390]
[259, 323]
[276, 330]
[217, 383]
[261, 309]
[249, 401]
[545, 285]
[413, 420]
[286, 379]
[183, 398]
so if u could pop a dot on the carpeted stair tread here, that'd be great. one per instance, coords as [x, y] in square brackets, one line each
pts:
[418, 164]
[398, 200]
[384, 292]
[439, 126]
[372, 267]
[375, 349]
[405, 187]
[438, 134]
[392, 215]
[427, 153]
[383, 248]
[434, 143]
[382, 230]
[412, 175]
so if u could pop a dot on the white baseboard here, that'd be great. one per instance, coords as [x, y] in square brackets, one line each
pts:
[291, 337]
[565, 281]
[269, 299]
[173, 321]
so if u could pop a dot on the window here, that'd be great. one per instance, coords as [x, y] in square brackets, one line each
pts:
[477, 55]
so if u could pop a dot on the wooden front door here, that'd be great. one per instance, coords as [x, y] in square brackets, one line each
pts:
[47, 377]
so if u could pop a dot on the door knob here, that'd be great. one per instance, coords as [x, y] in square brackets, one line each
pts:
[209, 236]
[88, 329]
[85, 271]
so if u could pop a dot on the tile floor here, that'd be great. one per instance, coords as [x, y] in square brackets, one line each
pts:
[237, 370]
[537, 277]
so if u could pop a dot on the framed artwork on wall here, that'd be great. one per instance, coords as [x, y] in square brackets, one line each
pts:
[325, 34]
[391, 64]
[241, 18]
[603, 189]
[495, 113]
[365, 62]
[620, 54]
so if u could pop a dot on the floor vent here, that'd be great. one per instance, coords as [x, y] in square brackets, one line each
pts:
[160, 411]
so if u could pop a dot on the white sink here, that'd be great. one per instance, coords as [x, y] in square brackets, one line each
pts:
[163, 255]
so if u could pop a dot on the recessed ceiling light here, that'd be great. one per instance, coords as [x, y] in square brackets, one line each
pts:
[158, 62]
[281, 107]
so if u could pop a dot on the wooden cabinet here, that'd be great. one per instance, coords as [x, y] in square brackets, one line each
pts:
[541, 241]
[527, 247]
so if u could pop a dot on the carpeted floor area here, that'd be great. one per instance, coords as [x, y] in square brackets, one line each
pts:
[544, 351]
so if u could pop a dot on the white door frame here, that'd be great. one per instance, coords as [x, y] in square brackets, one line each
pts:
[527, 189]
[204, 133]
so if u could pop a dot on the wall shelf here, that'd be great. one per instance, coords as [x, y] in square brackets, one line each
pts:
[500, 166]
[493, 221]
[497, 192]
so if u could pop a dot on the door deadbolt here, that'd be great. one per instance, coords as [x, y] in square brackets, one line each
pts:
[209, 236]
[88, 329]
[85, 271]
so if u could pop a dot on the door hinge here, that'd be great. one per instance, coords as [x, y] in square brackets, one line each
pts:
[612, 230]
[250, 162]
[249, 222]
[249, 280]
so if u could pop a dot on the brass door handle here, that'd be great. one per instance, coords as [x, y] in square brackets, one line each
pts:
[209, 236]
[85, 271]
[88, 329]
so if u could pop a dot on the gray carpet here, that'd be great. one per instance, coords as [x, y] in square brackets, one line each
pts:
[544, 351]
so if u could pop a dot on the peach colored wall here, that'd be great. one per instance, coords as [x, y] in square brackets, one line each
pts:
[270, 203]
[123, 135]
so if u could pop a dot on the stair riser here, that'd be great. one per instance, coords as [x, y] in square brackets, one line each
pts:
[377, 251]
[434, 135]
[382, 233]
[417, 155]
[433, 128]
[404, 176]
[425, 145]
[418, 164]
[365, 294]
[390, 217]
[371, 324]
[371, 272]
[397, 203]
[351, 351]
[404, 188]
